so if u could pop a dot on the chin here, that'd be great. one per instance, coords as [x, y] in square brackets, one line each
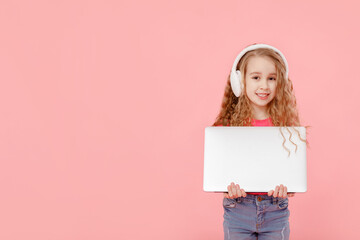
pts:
[259, 102]
[262, 105]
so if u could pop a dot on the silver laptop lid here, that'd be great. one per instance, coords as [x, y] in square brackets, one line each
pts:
[254, 158]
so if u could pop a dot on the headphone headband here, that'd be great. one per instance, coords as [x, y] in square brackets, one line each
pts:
[256, 46]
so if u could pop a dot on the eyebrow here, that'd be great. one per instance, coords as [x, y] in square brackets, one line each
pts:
[260, 73]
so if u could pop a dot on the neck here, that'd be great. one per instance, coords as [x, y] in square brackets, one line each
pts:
[260, 113]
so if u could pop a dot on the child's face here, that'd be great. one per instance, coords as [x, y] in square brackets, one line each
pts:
[260, 78]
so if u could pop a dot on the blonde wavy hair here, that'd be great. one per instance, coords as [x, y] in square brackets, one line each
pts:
[237, 111]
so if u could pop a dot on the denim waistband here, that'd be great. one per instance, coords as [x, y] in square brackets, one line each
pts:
[259, 199]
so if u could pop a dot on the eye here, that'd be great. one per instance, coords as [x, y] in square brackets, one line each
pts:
[273, 78]
[255, 77]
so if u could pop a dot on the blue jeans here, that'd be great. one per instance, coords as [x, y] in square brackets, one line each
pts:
[256, 217]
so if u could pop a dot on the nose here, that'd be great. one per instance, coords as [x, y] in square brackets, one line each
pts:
[264, 84]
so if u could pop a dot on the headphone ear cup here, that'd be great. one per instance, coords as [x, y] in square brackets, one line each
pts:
[240, 82]
[235, 80]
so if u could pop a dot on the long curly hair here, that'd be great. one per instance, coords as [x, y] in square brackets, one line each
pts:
[237, 111]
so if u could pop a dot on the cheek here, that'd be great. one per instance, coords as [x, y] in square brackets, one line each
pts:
[249, 91]
[273, 87]
[249, 87]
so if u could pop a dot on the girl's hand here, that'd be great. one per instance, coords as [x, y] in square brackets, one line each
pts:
[234, 191]
[280, 191]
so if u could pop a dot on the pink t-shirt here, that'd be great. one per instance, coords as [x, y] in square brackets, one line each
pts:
[257, 123]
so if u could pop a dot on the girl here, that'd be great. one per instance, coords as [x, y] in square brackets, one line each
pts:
[258, 93]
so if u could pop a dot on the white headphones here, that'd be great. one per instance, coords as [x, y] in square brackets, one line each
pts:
[235, 76]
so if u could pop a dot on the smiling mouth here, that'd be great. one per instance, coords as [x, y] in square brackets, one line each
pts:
[263, 94]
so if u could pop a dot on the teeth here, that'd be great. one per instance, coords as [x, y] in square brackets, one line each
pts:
[262, 95]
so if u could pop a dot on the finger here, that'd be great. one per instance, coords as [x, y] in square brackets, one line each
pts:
[229, 191]
[233, 190]
[238, 192]
[226, 195]
[276, 192]
[270, 192]
[281, 190]
[285, 191]
[243, 193]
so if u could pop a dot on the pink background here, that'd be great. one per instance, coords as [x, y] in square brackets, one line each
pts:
[104, 104]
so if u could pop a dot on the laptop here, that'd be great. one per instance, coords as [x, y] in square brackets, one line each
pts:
[254, 158]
